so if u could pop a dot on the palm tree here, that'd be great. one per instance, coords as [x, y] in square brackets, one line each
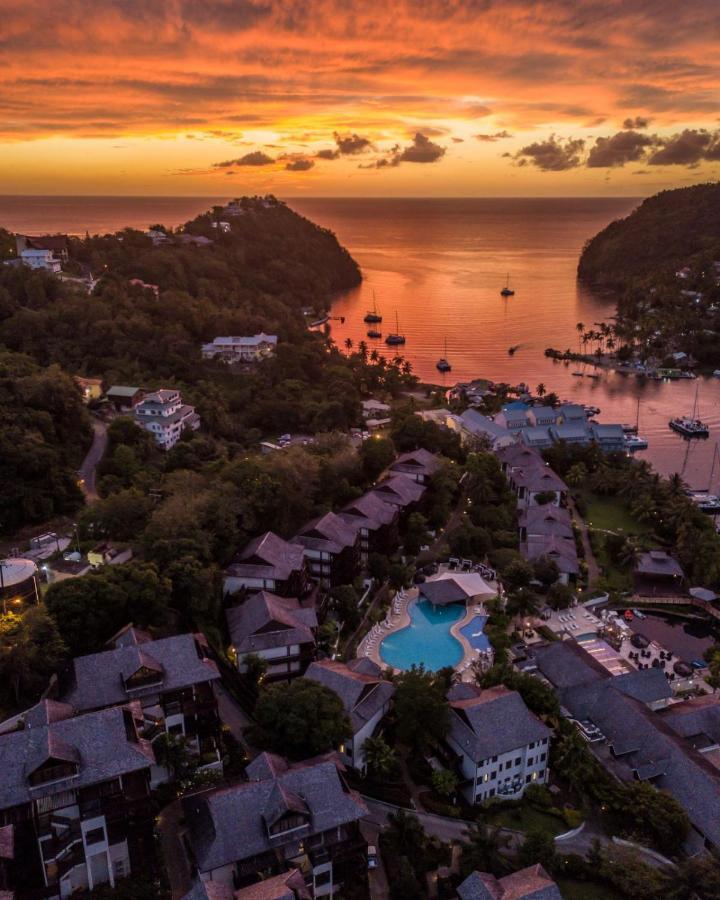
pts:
[363, 350]
[540, 390]
[374, 355]
[348, 345]
[580, 328]
[380, 758]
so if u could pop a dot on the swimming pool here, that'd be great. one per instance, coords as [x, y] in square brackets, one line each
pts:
[473, 633]
[426, 640]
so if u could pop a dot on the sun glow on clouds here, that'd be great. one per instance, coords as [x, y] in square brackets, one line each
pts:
[350, 97]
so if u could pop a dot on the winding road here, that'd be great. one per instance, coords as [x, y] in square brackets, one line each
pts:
[86, 472]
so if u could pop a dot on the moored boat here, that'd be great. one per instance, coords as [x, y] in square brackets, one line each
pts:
[635, 442]
[373, 315]
[372, 333]
[395, 338]
[507, 291]
[689, 427]
[442, 365]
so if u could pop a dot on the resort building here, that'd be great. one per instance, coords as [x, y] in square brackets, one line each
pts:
[658, 573]
[377, 522]
[513, 418]
[236, 349]
[571, 412]
[634, 742]
[269, 563]
[518, 456]
[535, 482]
[538, 437]
[560, 550]
[547, 521]
[40, 259]
[366, 698]
[75, 790]
[278, 630]
[285, 817]
[420, 465]
[455, 587]
[532, 883]
[400, 491]
[332, 548]
[500, 746]
[610, 438]
[542, 415]
[165, 416]
[572, 432]
[475, 428]
[171, 679]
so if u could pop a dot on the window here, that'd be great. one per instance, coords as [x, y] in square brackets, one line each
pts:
[322, 878]
[518, 760]
[492, 792]
[527, 779]
[530, 760]
[494, 759]
[493, 775]
[508, 764]
[543, 757]
[95, 836]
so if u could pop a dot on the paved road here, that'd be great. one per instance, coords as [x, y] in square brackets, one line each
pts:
[437, 826]
[86, 472]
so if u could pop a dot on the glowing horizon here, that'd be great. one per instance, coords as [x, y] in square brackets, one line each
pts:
[354, 98]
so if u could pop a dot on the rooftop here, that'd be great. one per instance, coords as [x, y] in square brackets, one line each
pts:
[363, 695]
[268, 556]
[265, 620]
[532, 883]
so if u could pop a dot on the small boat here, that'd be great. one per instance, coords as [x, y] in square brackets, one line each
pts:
[705, 502]
[507, 291]
[374, 334]
[442, 365]
[395, 337]
[629, 429]
[373, 315]
[689, 427]
[593, 375]
[716, 373]
[635, 442]
[579, 374]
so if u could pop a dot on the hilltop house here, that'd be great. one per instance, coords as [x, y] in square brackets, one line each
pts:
[286, 816]
[236, 349]
[499, 745]
[279, 630]
[170, 678]
[376, 521]
[56, 245]
[36, 258]
[365, 695]
[269, 563]
[332, 549]
[124, 397]
[165, 416]
[75, 791]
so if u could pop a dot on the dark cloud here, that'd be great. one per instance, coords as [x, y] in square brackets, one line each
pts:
[497, 136]
[256, 158]
[637, 122]
[457, 140]
[299, 165]
[618, 149]
[552, 155]
[687, 148]
[662, 99]
[350, 144]
[327, 154]
[422, 150]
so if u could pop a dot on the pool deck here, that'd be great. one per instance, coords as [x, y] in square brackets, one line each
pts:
[398, 617]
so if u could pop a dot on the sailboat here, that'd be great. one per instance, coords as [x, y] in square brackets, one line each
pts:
[373, 315]
[442, 365]
[507, 291]
[691, 426]
[703, 499]
[633, 441]
[395, 337]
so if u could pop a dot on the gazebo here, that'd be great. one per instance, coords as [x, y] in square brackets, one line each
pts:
[456, 587]
[656, 572]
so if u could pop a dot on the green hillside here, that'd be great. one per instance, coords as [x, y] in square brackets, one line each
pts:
[665, 232]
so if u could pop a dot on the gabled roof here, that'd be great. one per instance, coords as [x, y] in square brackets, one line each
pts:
[369, 511]
[696, 718]
[658, 562]
[607, 432]
[560, 549]
[265, 620]
[570, 431]
[227, 825]
[98, 743]
[268, 556]
[98, 680]
[538, 478]
[572, 411]
[362, 695]
[532, 883]
[548, 520]
[399, 490]
[421, 461]
[479, 424]
[329, 533]
[494, 722]
[519, 455]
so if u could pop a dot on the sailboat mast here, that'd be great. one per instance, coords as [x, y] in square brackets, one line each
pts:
[637, 415]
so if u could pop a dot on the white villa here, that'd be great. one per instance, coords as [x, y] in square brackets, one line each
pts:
[234, 349]
[37, 258]
[165, 416]
[501, 746]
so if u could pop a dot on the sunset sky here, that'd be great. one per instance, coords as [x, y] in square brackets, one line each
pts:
[358, 97]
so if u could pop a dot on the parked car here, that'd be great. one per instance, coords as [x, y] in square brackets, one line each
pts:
[372, 857]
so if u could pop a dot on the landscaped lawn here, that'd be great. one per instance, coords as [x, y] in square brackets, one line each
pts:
[611, 514]
[571, 889]
[527, 818]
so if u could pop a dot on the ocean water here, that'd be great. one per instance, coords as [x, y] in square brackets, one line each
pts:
[438, 265]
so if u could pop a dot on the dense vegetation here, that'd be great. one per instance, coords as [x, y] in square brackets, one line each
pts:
[665, 232]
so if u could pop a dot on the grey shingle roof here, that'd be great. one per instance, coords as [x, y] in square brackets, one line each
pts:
[419, 461]
[644, 742]
[265, 620]
[532, 883]
[98, 742]
[329, 533]
[657, 562]
[538, 478]
[363, 696]
[268, 556]
[443, 591]
[561, 550]
[399, 490]
[226, 825]
[546, 520]
[494, 722]
[479, 424]
[695, 718]
[97, 680]
[519, 455]
[369, 511]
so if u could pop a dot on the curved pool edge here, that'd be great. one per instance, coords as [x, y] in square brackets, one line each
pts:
[406, 622]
